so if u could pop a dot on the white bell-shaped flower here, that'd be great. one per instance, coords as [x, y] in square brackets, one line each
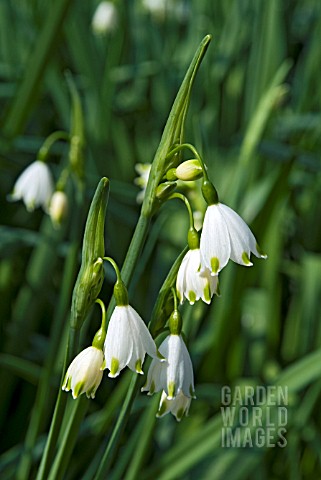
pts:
[127, 341]
[192, 283]
[34, 186]
[105, 18]
[226, 236]
[178, 406]
[174, 376]
[84, 373]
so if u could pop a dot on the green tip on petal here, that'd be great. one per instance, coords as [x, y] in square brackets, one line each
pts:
[215, 264]
[180, 299]
[78, 390]
[171, 390]
[103, 366]
[138, 367]
[260, 251]
[207, 293]
[91, 393]
[191, 297]
[114, 367]
[192, 392]
[160, 356]
[67, 383]
[179, 414]
[246, 259]
[152, 388]
[162, 409]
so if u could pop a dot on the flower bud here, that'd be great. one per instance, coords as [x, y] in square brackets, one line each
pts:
[58, 208]
[189, 170]
[165, 189]
[91, 273]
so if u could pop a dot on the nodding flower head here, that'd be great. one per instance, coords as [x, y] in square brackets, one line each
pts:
[192, 283]
[175, 376]
[226, 236]
[127, 342]
[84, 373]
[34, 186]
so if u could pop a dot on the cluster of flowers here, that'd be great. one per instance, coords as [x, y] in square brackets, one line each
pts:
[224, 236]
[126, 343]
[35, 186]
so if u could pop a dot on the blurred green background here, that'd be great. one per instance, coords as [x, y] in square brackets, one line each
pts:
[255, 115]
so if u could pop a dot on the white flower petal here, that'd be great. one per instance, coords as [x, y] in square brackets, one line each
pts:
[84, 374]
[193, 283]
[119, 342]
[240, 235]
[34, 186]
[127, 341]
[175, 369]
[225, 235]
[178, 406]
[215, 241]
[155, 376]
[142, 333]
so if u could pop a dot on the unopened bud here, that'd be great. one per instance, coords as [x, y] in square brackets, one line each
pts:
[58, 208]
[165, 189]
[91, 274]
[189, 170]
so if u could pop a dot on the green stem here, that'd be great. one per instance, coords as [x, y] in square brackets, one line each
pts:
[48, 143]
[71, 350]
[175, 298]
[118, 429]
[157, 321]
[79, 408]
[182, 197]
[103, 313]
[115, 267]
[140, 234]
[59, 409]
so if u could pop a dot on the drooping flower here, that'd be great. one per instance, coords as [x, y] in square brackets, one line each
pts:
[84, 373]
[143, 170]
[192, 283]
[58, 208]
[127, 341]
[34, 186]
[175, 376]
[105, 18]
[178, 406]
[226, 236]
